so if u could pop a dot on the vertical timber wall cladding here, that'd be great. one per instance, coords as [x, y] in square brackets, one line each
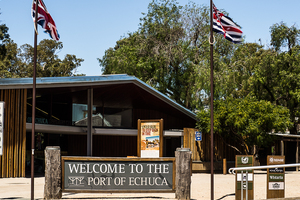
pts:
[201, 149]
[12, 161]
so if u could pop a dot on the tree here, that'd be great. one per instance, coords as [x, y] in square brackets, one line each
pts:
[19, 61]
[283, 36]
[3, 36]
[11, 64]
[170, 52]
[246, 120]
[276, 73]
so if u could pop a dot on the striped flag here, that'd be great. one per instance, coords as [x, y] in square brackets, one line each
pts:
[226, 26]
[44, 19]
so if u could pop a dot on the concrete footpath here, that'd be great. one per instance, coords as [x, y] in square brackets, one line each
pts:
[224, 188]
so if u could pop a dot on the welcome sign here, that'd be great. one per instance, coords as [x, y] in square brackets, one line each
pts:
[86, 174]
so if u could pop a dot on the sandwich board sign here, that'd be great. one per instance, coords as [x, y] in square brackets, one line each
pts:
[275, 177]
[150, 138]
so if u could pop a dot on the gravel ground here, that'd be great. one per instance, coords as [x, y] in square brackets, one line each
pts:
[224, 188]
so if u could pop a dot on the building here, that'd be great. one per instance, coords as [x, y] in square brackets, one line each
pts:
[116, 103]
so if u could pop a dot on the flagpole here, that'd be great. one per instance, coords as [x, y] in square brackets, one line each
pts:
[33, 100]
[211, 103]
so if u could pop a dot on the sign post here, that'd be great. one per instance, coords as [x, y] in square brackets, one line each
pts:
[244, 187]
[275, 177]
[150, 138]
[1, 126]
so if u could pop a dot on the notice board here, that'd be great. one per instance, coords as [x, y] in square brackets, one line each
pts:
[150, 138]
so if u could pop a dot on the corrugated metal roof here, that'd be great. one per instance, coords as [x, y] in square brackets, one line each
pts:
[53, 82]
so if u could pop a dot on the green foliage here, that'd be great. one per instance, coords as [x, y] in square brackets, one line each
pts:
[284, 36]
[256, 88]
[170, 52]
[246, 120]
[18, 62]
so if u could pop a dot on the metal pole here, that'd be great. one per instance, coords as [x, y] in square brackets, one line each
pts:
[89, 124]
[33, 100]
[242, 187]
[232, 170]
[247, 185]
[211, 104]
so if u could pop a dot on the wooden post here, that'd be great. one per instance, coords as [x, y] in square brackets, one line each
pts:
[53, 178]
[224, 166]
[183, 173]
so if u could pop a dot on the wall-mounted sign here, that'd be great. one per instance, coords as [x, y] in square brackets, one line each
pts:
[150, 138]
[198, 136]
[1, 126]
[275, 177]
[244, 161]
[88, 174]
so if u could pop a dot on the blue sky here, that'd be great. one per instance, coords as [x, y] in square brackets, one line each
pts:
[89, 27]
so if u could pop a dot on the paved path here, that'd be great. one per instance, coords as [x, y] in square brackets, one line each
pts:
[224, 188]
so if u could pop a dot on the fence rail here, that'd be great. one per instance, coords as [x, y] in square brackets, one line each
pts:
[232, 171]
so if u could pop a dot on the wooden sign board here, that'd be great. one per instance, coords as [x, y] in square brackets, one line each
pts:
[275, 177]
[92, 174]
[244, 161]
[150, 138]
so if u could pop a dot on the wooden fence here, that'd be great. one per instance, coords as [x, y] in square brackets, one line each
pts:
[201, 150]
[12, 162]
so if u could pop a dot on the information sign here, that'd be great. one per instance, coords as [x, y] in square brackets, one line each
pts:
[118, 175]
[150, 138]
[198, 136]
[244, 161]
[275, 177]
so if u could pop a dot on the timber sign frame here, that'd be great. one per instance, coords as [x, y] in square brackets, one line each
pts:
[95, 174]
[150, 138]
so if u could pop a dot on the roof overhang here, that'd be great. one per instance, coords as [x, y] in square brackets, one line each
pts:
[286, 135]
[90, 81]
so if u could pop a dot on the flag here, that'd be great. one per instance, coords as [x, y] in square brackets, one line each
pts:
[44, 19]
[226, 26]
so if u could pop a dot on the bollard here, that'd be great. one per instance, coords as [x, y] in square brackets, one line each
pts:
[183, 173]
[52, 188]
[224, 166]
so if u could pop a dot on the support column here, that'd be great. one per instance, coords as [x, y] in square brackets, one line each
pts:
[53, 180]
[183, 173]
[89, 123]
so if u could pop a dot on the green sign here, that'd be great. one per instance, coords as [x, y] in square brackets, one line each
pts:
[244, 160]
[276, 177]
[250, 185]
